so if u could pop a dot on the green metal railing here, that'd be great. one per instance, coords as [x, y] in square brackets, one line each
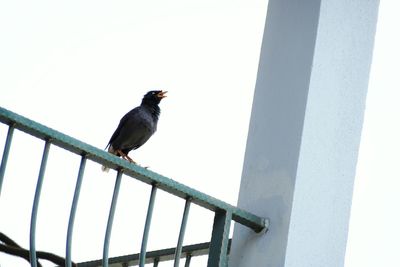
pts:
[156, 256]
[224, 213]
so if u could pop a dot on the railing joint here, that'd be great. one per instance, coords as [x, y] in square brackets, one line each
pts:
[265, 228]
[120, 169]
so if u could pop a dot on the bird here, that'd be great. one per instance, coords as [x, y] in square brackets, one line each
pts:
[136, 126]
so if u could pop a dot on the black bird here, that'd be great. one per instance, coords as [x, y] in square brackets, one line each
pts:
[136, 127]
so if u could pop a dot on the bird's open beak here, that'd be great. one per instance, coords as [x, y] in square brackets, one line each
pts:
[162, 94]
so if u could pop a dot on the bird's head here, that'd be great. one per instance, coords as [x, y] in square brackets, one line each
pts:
[154, 97]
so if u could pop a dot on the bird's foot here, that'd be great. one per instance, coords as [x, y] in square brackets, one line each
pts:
[130, 160]
[125, 156]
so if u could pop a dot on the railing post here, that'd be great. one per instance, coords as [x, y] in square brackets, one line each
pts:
[111, 218]
[32, 241]
[73, 211]
[156, 261]
[178, 250]
[5, 154]
[142, 259]
[220, 239]
[188, 258]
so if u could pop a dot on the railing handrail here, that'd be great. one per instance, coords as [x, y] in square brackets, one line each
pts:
[57, 138]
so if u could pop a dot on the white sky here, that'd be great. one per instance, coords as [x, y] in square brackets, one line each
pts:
[78, 67]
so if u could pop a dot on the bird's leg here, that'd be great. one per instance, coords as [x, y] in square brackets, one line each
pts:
[125, 156]
[129, 159]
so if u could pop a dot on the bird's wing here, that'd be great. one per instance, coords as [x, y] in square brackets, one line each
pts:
[131, 114]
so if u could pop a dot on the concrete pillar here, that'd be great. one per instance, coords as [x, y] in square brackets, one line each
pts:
[305, 132]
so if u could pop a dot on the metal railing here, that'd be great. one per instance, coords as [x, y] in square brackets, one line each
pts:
[156, 256]
[224, 213]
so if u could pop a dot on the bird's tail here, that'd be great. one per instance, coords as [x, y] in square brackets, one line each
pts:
[104, 168]
[111, 150]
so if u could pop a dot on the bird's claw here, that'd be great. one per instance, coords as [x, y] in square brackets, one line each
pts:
[125, 156]
[130, 160]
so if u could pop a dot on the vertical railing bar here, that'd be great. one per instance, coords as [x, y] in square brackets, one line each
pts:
[156, 261]
[32, 250]
[188, 258]
[5, 154]
[220, 239]
[178, 250]
[142, 259]
[111, 218]
[74, 206]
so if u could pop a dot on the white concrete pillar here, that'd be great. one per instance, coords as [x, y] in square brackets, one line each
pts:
[305, 132]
